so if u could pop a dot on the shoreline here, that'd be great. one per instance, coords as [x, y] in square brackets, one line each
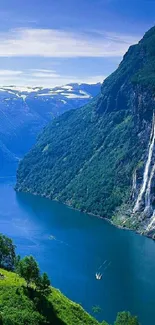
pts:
[89, 213]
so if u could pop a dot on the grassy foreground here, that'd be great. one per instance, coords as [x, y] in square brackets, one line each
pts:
[22, 305]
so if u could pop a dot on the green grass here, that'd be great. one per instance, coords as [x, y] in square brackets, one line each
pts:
[69, 311]
[11, 279]
[16, 299]
[22, 305]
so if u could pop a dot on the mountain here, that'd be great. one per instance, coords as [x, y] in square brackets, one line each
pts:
[101, 157]
[24, 111]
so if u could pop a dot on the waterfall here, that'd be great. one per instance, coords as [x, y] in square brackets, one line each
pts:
[146, 171]
[134, 184]
[148, 190]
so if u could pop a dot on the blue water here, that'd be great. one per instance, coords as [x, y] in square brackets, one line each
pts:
[82, 243]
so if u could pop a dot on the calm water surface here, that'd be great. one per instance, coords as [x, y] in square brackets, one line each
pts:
[82, 243]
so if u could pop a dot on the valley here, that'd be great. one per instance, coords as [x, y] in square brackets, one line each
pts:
[77, 162]
[25, 111]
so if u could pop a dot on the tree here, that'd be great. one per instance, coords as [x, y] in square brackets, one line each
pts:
[17, 260]
[43, 284]
[125, 318]
[7, 253]
[28, 269]
[1, 319]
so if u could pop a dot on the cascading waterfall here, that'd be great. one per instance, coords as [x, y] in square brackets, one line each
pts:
[148, 190]
[134, 184]
[146, 180]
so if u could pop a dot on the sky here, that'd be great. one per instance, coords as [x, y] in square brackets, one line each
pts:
[55, 42]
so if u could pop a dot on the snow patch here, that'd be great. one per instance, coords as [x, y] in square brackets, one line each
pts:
[23, 96]
[67, 87]
[72, 96]
[86, 95]
[63, 101]
[22, 89]
[46, 94]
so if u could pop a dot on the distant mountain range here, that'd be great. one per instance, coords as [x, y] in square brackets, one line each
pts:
[101, 158]
[24, 111]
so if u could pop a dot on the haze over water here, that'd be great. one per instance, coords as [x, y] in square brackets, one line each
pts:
[70, 246]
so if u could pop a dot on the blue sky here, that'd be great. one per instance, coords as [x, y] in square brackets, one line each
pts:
[54, 42]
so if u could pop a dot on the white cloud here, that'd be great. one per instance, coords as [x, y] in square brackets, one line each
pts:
[45, 75]
[59, 43]
[42, 70]
[6, 73]
[118, 38]
[93, 79]
[27, 79]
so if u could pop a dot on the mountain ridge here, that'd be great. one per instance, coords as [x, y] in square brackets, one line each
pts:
[94, 152]
[24, 111]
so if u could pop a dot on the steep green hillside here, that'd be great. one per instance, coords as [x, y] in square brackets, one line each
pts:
[20, 305]
[87, 158]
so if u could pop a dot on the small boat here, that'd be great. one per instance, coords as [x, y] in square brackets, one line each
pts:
[98, 276]
[52, 237]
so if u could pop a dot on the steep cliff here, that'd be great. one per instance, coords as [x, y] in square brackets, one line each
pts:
[100, 158]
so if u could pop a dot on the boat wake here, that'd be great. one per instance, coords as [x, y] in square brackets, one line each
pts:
[105, 264]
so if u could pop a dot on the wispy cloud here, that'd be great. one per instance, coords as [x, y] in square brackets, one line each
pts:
[10, 73]
[45, 75]
[66, 44]
[119, 38]
[42, 70]
[44, 79]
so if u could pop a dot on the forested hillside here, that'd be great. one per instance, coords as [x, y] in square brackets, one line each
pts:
[94, 158]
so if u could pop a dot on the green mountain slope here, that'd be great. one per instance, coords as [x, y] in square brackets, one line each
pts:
[18, 305]
[22, 305]
[88, 158]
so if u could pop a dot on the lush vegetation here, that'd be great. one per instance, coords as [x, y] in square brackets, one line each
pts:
[22, 305]
[7, 253]
[86, 158]
[26, 297]
[88, 163]
[126, 318]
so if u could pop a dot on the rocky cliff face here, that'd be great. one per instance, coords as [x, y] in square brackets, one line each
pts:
[101, 158]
